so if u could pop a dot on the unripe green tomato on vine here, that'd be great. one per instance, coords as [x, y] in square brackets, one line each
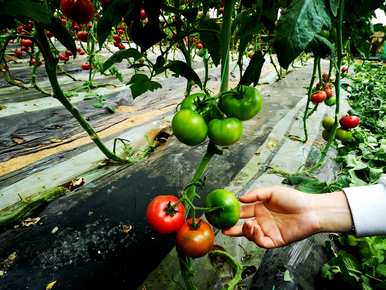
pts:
[225, 208]
[189, 127]
[243, 102]
[225, 132]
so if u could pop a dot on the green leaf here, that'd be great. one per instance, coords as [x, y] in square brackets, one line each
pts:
[334, 4]
[180, 68]
[62, 34]
[140, 84]
[306, 184]
[210, 35]
[248, 24]
[253, 70]
[120, 55]
[112, 15]
[35, 10]
[297, 27]
[381, 269]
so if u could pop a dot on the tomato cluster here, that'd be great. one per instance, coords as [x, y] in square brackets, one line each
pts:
[324, 93]
[219, 118]
[194, 236]
[343, 133]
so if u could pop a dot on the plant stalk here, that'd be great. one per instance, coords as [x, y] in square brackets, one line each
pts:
[50, 64]
[226, 34]
[310, 86]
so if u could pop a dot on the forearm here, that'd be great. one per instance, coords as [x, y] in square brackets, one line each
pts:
[332, 211]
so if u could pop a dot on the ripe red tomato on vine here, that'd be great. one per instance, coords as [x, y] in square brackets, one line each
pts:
[199, 45]
[85, 66]
[165, 214]
[195, 240]
[318, 97]
[142, 13]
[26, 42]
[82, 36]
[349, 122]
[81, 11]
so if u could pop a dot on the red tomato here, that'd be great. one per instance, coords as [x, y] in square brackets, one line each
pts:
[121, 31]
[50, 34]
[165, 214]
[344, 69]
[195, 240]
[348, 122]
[318, 97]
[121, 46]
[328, 90]
[117, 44]
[85, 66]
[142, 13]
[63, 20]
[76, 26]
[26, 42]
[63, 57]
[82, 36]
[18, 52]
[68, 52]
[20, 29]
[24, 48]
[29, 26]
[81, 11]
[199, 45]
[80, 51]
[117, 38]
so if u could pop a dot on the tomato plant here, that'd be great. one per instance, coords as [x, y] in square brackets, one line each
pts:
[224, 208]
[195, 238]
[165, 214]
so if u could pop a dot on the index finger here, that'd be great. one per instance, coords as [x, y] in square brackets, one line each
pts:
[258, 194]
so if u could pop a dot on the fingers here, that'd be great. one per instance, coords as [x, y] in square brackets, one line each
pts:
[235, 231]
[253, 232]
[259, 194]
[247, 211]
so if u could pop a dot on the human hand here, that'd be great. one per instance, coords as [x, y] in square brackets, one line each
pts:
[277, 216]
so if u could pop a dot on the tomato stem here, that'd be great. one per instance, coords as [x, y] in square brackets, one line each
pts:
[310, 86]
[237, 267]
[226, 34]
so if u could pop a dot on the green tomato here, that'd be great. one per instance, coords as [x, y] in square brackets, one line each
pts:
[325, 33]
[331, 101]
[192, 102]
[226, 131]
[328, 122]
[189, 127]
[243, 102]
[199, 103]
[343, 135]
[228, 209]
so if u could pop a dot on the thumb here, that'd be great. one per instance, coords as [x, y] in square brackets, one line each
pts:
[261, 194]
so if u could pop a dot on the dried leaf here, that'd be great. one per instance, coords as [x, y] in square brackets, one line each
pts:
[18, 140]
[126, 228]
[74, 184]
[54, 230]
[30, 221]
[51, 285]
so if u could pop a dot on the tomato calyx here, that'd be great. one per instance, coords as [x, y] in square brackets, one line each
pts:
[171, 209]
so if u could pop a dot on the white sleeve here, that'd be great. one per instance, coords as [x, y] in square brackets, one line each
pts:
[368, 208]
